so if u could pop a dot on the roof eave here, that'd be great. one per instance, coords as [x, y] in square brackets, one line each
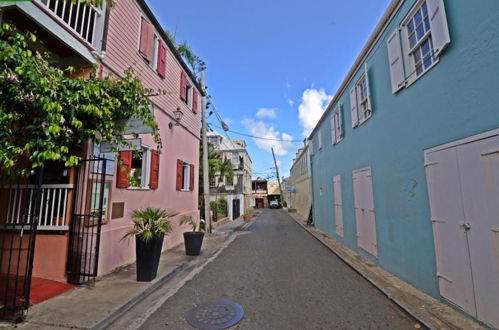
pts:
[382, 25]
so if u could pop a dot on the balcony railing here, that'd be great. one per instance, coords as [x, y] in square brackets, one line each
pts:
[82, 19]
[53, 212]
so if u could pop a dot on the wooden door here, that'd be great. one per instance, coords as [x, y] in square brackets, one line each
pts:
[364, 210]
[463, 184]
[338, 205]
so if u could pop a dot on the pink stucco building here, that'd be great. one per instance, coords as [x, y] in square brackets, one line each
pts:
[50, 221]
[168, 180]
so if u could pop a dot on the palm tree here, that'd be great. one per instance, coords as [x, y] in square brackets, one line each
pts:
[226, 170]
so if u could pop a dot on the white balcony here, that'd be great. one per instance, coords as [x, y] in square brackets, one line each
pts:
[53, 210]
[77, 26]
[84, 20]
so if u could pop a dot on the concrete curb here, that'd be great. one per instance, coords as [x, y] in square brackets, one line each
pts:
[429, 321]
[138, 298]
[109, 320]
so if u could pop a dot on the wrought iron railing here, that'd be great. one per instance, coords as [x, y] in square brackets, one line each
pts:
[82, 19]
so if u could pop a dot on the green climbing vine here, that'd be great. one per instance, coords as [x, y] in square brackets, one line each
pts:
[46, 114]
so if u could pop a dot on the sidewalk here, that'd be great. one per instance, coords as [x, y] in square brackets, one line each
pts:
[429, 311]
[98, 306]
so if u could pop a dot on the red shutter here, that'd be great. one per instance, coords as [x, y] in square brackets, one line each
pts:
[183, 86]
[191, 177]
[161, 59]
[195, 101]
[180, 172]
[146, 47]
[154, 177]
[123, 169]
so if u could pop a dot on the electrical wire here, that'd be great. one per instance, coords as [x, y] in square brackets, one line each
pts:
[219, 117]
[261, 138]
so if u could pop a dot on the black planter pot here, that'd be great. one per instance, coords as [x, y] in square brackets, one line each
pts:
[193, 241]
[148, 254]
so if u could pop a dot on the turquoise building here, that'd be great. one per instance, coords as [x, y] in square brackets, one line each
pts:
[405, 160]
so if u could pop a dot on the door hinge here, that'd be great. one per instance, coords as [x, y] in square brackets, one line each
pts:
[437, 220]
[439, 275]
[430, 164]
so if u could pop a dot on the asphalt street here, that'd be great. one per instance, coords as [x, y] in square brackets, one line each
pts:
[284, 279]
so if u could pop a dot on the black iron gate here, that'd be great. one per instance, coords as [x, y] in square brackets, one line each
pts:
[20, 191]
[86, 221]
[236, 208]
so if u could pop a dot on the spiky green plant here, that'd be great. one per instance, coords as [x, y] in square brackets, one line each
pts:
[189, 221]
[150, 223]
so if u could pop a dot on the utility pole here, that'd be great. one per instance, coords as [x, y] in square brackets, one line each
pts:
[277, 173]
[206, 184]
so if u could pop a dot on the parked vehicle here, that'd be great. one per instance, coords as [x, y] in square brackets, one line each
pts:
[274, 204]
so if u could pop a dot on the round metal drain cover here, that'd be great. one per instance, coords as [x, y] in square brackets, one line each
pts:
[216, 314]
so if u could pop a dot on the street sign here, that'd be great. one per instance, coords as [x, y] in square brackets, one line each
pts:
[135, 126]
[133, 144]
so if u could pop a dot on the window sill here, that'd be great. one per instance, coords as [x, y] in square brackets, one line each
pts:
[184, 190]
[409, 82]
[138, 188]
[363, 121]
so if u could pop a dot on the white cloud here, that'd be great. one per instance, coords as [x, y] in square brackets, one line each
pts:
[266, 113]
[260, 129]
[313, 105]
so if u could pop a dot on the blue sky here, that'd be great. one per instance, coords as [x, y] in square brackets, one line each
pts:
[285, 57]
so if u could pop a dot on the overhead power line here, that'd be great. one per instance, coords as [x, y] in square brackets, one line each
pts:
[260, 137]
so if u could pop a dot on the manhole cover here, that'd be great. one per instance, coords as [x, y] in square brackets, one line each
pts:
[216, 314]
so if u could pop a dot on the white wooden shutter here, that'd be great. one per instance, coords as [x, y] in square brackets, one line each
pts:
[353, 107]
[364, 210]
[370, 240]
[333, 128]
[319, 136]
[396, 62]
[338, 205]
[357, 187]
[438, 23]
[368, 88]
[340, 122]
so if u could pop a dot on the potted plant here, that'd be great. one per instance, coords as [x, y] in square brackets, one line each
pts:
[192, 239]
[247, 216]
[150, 225]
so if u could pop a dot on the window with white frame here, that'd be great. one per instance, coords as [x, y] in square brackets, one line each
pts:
[140, 169]
[235, 158]
[154, 63]
[420, 41]
[337, 125]
[185, 176]
[415, 47]
[188, 100]
[360, 100]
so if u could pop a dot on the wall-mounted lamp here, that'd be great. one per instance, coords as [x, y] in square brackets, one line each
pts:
[177, 115]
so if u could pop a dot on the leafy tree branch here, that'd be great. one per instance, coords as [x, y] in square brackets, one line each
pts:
[46, 114]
